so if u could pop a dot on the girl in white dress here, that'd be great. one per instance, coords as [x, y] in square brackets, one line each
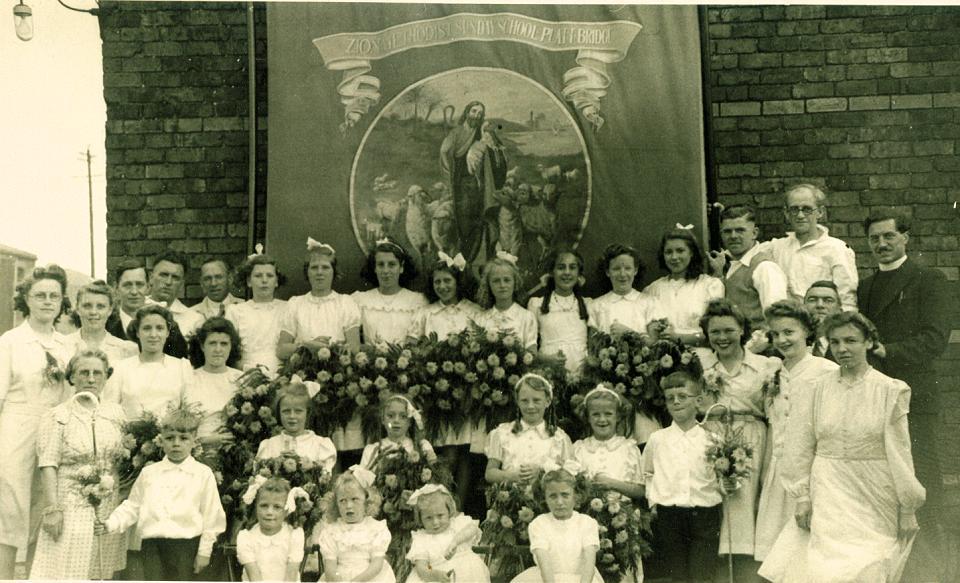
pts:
[624, 310]
[353, 544]
[151, 381]
[95, 302]
[387, 311]
[562, 313]
[792, 329]
[682, 295]
[322, 316]
[293, 408]
[516, 451]
[258, 320]
[498, 295]
[847, 463]
[740, 376]
[271, 550]
[564, 543]
[214, 350]
[402, 426]
[442, 550]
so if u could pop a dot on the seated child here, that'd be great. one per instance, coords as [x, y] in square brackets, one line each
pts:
[293, 407]
[443, 550]
[175, 505]
[272, 549]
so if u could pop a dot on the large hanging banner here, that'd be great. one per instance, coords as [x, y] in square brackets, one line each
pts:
[476, 129]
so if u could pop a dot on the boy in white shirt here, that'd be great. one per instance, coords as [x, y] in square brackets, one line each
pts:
[175, 505]
[681, 486]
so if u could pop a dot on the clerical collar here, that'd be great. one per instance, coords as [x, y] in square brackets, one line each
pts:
[892, 265]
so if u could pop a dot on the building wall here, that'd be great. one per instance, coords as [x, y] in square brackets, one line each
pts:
[864, 100]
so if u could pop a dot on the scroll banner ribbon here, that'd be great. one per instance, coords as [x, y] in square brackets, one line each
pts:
[598, 44]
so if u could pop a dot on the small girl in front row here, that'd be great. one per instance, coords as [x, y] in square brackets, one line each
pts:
[293, 408]
[403, 425]
[272, 550]
[564, 543]
[443, 550]
[518, 449]
[498, 296]
[354, 544]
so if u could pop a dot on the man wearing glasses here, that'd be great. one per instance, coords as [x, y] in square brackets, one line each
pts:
[808, 253]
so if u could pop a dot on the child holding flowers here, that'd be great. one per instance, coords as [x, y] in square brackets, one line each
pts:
[517, 450]
[682, 488]
[562, 313]
[293, 407]
[402, 436]
[564, 542]
[352, 543]
[272, 549]
[442, 551]
[498, 296]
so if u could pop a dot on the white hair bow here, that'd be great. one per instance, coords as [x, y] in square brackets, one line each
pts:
[459, 262]
[425, 490]
[312, 387]
[508, 257]
[258, 250]
[684, 227]
[412, 411]
[363, 476]
[314, 245]
[251, 494]
[571, 465]
[295, 492]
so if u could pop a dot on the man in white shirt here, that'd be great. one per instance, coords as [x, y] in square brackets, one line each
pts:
[215, 282]
[753, 281]
[808, 253]
[166, 281]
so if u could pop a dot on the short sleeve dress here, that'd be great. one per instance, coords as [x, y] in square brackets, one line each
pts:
[353, 546]
[212, 392]
[142, 387]
[270, 553]
[562, 542]
[633, 310]
[259, 326]
[309, 316]
[387, 318]
[308, 445]
[466, 565]
[683, 301]
[443, 320]
[514, 319]
[562, 330]
[532, 445]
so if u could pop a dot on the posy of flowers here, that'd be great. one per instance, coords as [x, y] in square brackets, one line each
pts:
[730, 455]
[624, 531]
[511, 506]
[140, 446]
[310, 478]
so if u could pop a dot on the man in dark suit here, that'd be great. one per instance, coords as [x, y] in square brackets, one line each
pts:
[132, 288]
[822, 299]
[911, 307]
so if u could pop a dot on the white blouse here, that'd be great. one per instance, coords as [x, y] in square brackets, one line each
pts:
[803, 374]
[22, 362]
[617, 457]
[682, 302]
[309, 316]
[308, 445]
[514, 319]
[561, 329]
[212, 392]
[259, 326]
[563, 541]
[142, 387]
[443, 320]
[532, 445]
[387, 318]
[633, 310]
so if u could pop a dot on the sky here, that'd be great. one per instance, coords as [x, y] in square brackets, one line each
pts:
[51, 94]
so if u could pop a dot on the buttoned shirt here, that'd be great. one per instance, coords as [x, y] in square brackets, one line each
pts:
[175, 501]
[676, 471]
[208, 308]
[768, 279]
[823, 258]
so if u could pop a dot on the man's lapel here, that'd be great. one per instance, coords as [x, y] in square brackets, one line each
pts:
[893, 291]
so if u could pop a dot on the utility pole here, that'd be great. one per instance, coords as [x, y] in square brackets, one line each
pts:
[90, 206]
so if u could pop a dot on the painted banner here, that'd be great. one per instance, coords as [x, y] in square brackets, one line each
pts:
[479, 129]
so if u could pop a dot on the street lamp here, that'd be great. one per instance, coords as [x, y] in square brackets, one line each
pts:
[23, 21]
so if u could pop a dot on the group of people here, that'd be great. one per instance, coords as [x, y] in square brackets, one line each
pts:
[838, 444]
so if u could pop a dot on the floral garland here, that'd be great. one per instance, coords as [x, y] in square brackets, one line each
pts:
[399, 473]
[300, 473]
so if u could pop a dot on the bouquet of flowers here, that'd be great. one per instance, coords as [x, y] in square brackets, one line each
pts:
[53, 373]
[510, 509]
[141, 447]
[95, 483]
[624, 531]
[730, 455]
[249, 414]
[307, 479]
[399, 473]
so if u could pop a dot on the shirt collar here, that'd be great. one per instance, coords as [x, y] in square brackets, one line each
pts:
[321, 299]
[894, 265]
[48, 343]
[822, 231]
[749, 255]
[540, 428]
[306, 434]
[593, 444]
[692, 432]
[175, 307]
[630, 296]
[187, 466]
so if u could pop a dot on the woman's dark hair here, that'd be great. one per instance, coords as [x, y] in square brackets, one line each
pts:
[369, 270]
[796, 311]
[52, 271]
[466, 286]
[695, 268]
[133, 328]
[245, 269]
[720, 307]
[213, 326]
[320, 253]
[88, 353]
[855, 319]
[609, 254]
[549, 265]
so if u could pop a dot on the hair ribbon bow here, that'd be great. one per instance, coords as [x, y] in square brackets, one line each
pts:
[363, 476]
[258, 250]
[459, 262]
[314, 245]
[312, 387]
[426, 490]
[571, 465]
[684, 227]
[295, 493]
[508, 257]
[251, 494]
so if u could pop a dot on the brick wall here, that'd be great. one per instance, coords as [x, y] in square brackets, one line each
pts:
[175, 85]
[863, 100]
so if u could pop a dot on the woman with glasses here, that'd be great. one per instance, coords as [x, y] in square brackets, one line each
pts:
[32, 381]
[95, 304]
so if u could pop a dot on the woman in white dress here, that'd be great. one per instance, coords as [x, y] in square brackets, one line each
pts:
[66, 546]
[736, 377]
[792, 329]
[562, 312]
[258, 320]
[323, 316]
[848, 465]
[95, 302]
[151, 381]
[214, 350]
[388, 310]
[682, 295]
[33, 357]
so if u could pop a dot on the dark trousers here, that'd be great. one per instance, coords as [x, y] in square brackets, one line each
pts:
[169, 559]
[686, 541]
